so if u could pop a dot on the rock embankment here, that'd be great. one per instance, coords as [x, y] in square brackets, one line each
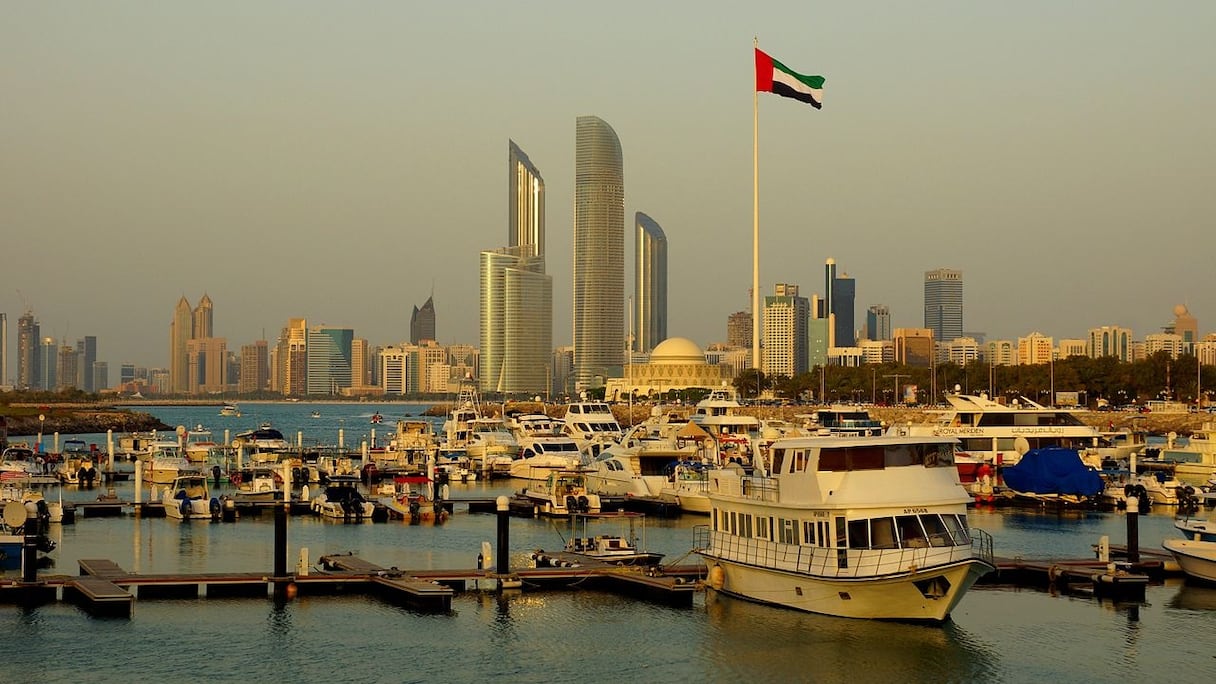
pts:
[82, 421]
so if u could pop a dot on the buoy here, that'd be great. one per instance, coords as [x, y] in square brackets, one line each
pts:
[717, 576]
[291, 591]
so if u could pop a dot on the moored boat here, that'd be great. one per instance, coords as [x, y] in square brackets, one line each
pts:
[342, 500]
[862, 527]
[1196, 558]
[189, 499]
[586, 542]
[563, 492]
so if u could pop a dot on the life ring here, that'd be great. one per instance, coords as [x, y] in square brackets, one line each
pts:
[235, 478]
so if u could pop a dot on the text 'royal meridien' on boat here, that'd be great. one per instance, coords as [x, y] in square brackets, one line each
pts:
[863, 527]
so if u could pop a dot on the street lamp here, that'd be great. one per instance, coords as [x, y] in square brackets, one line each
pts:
[41, 420]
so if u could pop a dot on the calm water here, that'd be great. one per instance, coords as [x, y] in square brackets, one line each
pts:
[996, 635]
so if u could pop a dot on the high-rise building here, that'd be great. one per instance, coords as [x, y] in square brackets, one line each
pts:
[291, 358]
[29, 359]
[255, 367]
[1034, 349]
[101, 376]
[878, 323]
[329, 356]
[650, 288]
[786, 316]
[422, 322]
[525, 204]
[207, 365]
[361, 363]
[944, 303]
[48, 352]
[599, 252]
[516, 316]
[914, 346]
[829, 285]
[844, 302]
[4, 378]
[739, 329]
[181, 331]
[126, 373]
[69, 362]
[1185, 326]
[87, 348]
[202, 319]
[1110, 340]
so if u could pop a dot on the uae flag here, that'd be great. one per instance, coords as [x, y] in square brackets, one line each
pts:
[774, 77]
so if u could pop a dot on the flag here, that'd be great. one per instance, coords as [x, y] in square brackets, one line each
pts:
[774, 77]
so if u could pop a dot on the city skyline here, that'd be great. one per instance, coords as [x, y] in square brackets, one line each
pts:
[139, 139]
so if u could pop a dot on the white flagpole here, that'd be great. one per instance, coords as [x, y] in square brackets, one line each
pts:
[755, 221]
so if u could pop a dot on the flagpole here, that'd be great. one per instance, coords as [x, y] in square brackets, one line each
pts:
[755, 222]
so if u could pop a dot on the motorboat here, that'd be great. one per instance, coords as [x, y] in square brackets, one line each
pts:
[315, 414]
[688, 485]
[592, 425]
[164, 464]
[491, 447]
[199, 445]
[409, 497]
[16, 517]
[376, 419]
[542, 447]
[188, 498]
[1053, 475]
[21, 464]
[264, 444]
[1197, 458]
[1196, 528]
[1196, 558]
[586, 543]
[861, 527]
[999, 434]
[733, 434]
[230, 411]
[844, 420]
[341, 500]
[36, 504]
[563, 492]
[257, 483]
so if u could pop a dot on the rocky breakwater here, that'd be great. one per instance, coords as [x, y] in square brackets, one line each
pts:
[77, 420]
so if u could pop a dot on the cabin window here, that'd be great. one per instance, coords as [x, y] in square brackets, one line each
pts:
[859, 534]
[714, 517]
[787, 531]
[910, 533]
[778, 460]
[866, 458]
[762, 528]
[745, 522]
[882, 534]
[734, 526]
[823, 531]
[832, 460]
[957, 526]
[799, 465]
[808, 532]
[902, 455]
[936, 530]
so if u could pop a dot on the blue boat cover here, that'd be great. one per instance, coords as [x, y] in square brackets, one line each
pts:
[1053, 470]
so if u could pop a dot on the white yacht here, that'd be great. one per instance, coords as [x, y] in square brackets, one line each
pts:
[1196, 460]
[734, 434]
[491, 447]
[564, 492]
[542, 447]
[592, 425]
[230, 411]
[862, 527]
[263, 445]
[187, 498]
[164, 464]
[999, 434]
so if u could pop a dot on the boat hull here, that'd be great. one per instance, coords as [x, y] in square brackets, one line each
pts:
[881, 598]
[1196, 558]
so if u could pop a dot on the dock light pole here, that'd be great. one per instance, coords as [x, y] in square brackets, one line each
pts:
[502, 504]
[41, 420]
[1133, 529]
[895, 384]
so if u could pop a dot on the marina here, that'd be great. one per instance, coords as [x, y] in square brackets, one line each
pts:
[1031, 589]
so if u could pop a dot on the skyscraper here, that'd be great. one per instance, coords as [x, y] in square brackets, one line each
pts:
[944, 303]
[739, 329]
[650, 289]
[516, 315]
[844, 296]
[87, 348]
[202, 319]
[786, 315]
[181, 331]
[525, 203]
[4, 379]
[599, 252]
[329, 357]
[29, 359]
[422, 322]
[878, 323]
[48, 364]
[69, 363]
[255, 367]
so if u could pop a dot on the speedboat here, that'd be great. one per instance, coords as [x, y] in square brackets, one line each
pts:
[1053, 475]
[562, 493]
[342, 500]
[164, 464]
[230, 411]
[861, 527]
[258, 484]
[585, 543]
[376, 419]
[1196, 558]
[409, 497]
[20, 463]
[188, 499]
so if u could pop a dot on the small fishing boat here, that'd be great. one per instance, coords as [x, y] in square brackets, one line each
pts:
[1196, 558]
[408, 496]
[562, 493]
[342, 500]
[584, 543]
[189, 499]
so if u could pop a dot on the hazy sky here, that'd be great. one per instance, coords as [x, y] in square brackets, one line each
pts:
[341, 161]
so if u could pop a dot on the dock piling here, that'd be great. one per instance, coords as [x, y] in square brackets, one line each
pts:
[1133, 530]
[504, 527]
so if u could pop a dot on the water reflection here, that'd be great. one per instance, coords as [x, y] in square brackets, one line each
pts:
[1192, 596]
[796, 646]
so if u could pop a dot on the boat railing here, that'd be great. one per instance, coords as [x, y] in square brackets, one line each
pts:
[761, 488]
[981, 546]
[836, 562]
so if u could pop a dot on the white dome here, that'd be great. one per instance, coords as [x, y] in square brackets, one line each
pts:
[677, 350]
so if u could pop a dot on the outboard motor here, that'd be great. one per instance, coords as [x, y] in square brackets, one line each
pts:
[584, 504]
[571, 503]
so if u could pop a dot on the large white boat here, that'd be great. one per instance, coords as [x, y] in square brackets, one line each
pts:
[562, 493]
[863, 527]
[542, 447]
[164, 464]
[491, 447]
[734, 434]
[188, 498]
[263, 445]
[1196, 460]
[1196, 558]
[998, 434]
[592, 425]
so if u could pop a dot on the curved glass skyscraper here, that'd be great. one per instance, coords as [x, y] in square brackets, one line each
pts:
[525, 202]
[599, 252]
[650, 288]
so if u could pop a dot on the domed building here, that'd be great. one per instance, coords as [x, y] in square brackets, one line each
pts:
[676, 363]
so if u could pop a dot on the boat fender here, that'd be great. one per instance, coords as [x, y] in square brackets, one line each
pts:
[717, 576]
[1053, 573]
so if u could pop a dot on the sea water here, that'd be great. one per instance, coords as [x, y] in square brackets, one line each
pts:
[997, 634]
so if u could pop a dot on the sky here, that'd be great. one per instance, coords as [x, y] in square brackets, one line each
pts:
[344, 161]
